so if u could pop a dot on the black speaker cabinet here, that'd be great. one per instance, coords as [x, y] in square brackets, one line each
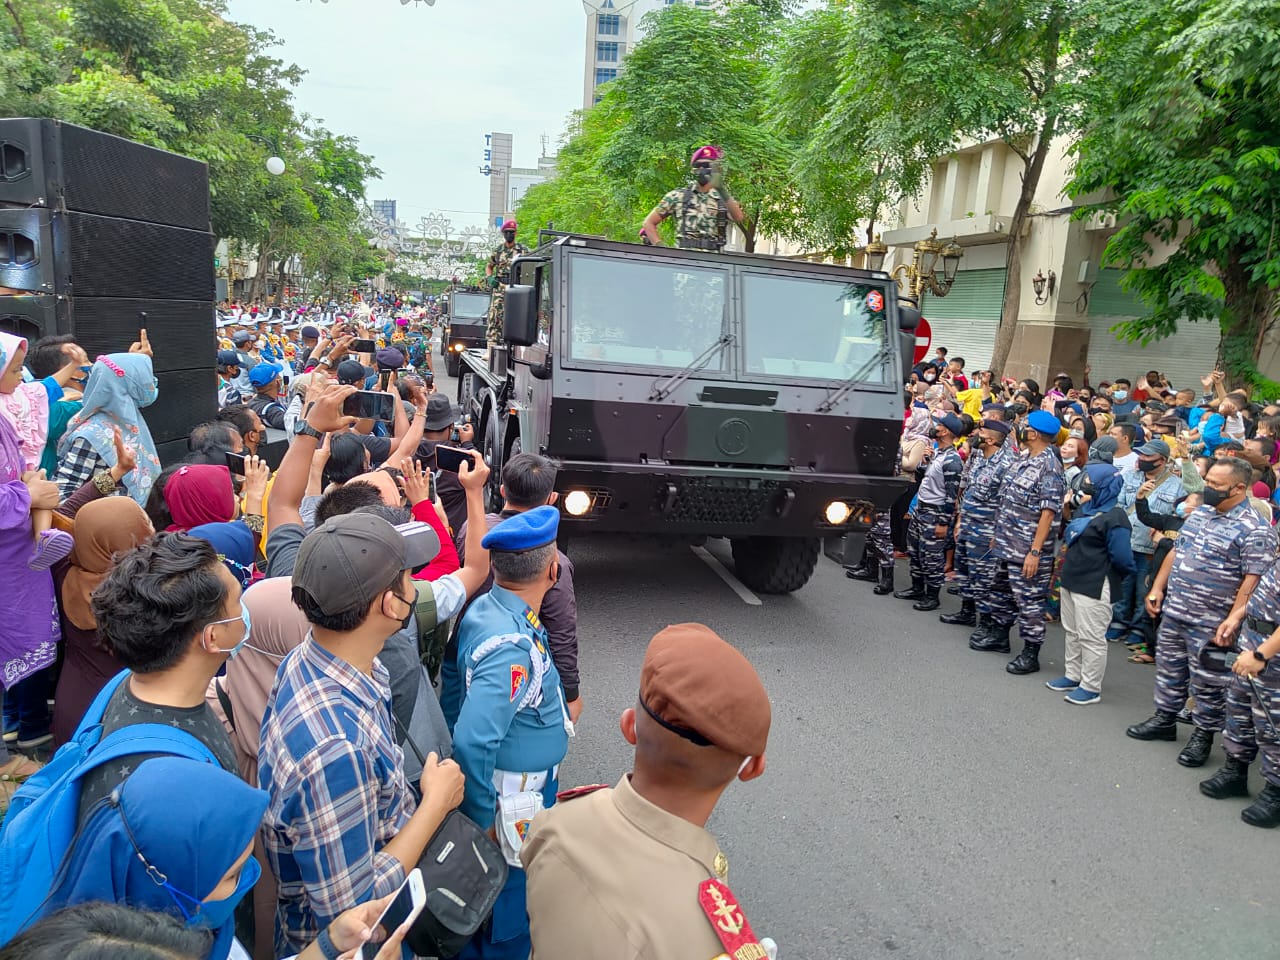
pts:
[47, 163]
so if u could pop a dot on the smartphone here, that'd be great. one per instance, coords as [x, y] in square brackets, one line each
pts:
[236, 463]
[363, 346]
[370, 405]
[403, 908]
[451, 458]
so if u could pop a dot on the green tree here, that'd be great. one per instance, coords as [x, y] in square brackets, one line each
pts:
[1182, 143]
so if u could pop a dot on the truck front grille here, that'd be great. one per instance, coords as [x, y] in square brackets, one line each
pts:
[715, 501]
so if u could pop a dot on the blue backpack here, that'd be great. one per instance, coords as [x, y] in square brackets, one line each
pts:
[40, 829]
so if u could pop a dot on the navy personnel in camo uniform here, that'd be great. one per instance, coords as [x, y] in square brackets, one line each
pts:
[1253, 709]
[1025, 535]
[979, 502]
[1222, 551]
[934, 515]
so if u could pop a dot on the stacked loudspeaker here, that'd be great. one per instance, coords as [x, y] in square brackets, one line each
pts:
[103, 236]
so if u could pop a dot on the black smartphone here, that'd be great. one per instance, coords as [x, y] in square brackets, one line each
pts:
[370, 405]
[236, 463]
[363, 346]
[451, 458]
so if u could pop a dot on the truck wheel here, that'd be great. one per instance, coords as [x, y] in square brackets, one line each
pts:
[775, 564]
[492, 455]
[451, 363]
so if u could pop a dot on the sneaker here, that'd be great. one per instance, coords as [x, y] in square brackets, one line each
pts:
[35, 742]
[1062, 684]
[51, 546]
[1115, 636]
[1082, 697]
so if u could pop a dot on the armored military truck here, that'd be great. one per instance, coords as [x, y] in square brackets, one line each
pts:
[464, 324]
[691, 395]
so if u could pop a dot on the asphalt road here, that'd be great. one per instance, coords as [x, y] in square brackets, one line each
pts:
[921, 803]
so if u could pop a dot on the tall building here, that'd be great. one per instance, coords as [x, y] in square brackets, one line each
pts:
[385, 210]
[613, 28]
[507, 184]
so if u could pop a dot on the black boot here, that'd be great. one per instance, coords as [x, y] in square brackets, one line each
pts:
[866, 568]
[1230, 781]
[966, 616]
[1028, 661]
[1196, 752]
[885, 585]
[996, 639]
[954, 589]
[913, 592]
[929, 601]
[1265, 811]
[985, 623]
[1160, 726]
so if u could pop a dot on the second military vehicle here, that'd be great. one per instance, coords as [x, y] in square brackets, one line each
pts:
[464, 324]
[691, 394]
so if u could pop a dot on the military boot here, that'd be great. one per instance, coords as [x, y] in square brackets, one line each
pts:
[1265, 811]
[1160, 726]
[996, 639]
[885, 585]
[866, 568]
[985, 623]
[929, 601]
[966, 616]
[1028, 661]
[1196, 752]
[913, 592]
[1232, 780]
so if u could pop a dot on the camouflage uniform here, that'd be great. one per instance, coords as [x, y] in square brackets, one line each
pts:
[1032, 484]
[701, 218]
[501, 262]
[928, 552]
[978, 506]
[1251, 726]
[1215, 551]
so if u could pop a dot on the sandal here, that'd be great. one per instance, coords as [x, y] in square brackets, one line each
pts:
[19, 769]
[7, 789]
[1142, 658]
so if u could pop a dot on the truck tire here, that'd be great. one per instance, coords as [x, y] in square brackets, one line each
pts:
[451, 363]
[773, 565]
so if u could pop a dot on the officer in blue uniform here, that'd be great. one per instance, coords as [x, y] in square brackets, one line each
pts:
[979, 502]
[503, 702]
[934, 515]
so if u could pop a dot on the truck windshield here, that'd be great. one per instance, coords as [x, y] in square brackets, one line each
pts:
[469, 305]
[811, 328]
[638, 312]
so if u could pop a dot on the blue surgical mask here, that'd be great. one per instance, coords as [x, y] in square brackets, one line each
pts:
[213, 914]
[1119, 395]
[248, 625]
[1181, 510]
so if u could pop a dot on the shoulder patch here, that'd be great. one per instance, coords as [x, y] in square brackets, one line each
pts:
[519, 675]
[729, 922]
[576, 792]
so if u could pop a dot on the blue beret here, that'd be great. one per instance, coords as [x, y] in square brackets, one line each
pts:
[1042, 421]
[525, 531]
[263, 374]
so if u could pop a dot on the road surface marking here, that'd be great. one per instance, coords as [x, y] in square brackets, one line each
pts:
[734, 583]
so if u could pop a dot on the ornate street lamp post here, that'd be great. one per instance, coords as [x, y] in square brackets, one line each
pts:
[920, 275]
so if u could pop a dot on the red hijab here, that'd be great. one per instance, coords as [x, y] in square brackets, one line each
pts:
[199, 494]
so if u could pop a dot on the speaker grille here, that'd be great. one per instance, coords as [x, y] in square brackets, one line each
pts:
[110, 257]
[181, 331]
[187, 397]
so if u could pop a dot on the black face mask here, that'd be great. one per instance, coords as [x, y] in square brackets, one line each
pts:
[1214, 497]
[408, 617]
[1148, 466]
[703, 175]
[509, 236]
[1018, 410]
[932, 433]
[1093, 410]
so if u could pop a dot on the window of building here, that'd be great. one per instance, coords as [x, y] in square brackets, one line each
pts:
[606, 52]
[605, 74]
[609, 25]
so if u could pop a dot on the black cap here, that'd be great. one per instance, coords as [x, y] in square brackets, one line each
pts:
[351, 372]
[228, 358]
[346, 562]
[439, 412]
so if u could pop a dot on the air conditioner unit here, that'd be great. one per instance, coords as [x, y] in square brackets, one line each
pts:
[1101, 221]
[1088, 273]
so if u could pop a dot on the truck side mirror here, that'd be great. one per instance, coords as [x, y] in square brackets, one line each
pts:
[908, 318]
[520, 315]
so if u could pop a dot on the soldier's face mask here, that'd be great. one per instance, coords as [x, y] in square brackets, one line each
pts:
[704, 173]
[509, 236]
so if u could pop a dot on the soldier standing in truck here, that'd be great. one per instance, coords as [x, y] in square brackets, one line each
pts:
[498, 273]
[702, 208]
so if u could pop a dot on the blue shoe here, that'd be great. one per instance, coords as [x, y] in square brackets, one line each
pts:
[1114, 635]
[1062, 684]
[1082, 697]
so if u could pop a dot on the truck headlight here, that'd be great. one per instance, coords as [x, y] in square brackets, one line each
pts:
[577, 503]
[837, 512]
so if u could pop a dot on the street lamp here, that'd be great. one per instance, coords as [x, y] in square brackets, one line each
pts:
[275, 166]
[920, 274]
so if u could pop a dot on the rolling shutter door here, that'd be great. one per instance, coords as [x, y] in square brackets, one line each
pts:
[1184, 357]
[965, 320]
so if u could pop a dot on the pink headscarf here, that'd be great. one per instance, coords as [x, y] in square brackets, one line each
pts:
[27, 408]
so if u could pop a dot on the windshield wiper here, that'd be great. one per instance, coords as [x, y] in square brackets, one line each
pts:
[663, 390]
[881, 358]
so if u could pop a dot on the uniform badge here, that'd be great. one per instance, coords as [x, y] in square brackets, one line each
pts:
[729, 922]
[875, 301]
[519, 674]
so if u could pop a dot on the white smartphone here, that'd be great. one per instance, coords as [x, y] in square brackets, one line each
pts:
[403, 908]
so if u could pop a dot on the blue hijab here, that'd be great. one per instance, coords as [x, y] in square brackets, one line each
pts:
[234, 544]
[190, 822]
[1107, 484]
[119, 386]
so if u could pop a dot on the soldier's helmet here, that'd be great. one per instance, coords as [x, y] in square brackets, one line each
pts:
[707, 154]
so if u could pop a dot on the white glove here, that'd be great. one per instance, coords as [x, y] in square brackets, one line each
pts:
[770, 947]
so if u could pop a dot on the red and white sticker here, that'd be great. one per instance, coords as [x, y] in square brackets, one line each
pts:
[875, 301]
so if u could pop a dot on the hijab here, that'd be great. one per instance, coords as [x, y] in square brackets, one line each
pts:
[278, 626]
[1107, 484]
[120, 385]
[26, 409]
[200, 493]
[103, 528]
[235, 545]
[190, 822]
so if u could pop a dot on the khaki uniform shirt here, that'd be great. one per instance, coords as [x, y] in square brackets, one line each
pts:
[613, 877]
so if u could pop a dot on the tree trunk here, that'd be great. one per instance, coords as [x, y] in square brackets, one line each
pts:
[1250, 309]
[258, 286]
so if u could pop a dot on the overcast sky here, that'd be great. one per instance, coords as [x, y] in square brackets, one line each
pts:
[420, 86]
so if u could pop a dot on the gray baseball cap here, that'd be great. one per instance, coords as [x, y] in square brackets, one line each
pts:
[349, 560]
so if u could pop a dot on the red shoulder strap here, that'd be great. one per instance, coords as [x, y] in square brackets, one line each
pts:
[577, 792]
[728, 921]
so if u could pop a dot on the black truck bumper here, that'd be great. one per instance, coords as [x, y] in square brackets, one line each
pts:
[690, 501]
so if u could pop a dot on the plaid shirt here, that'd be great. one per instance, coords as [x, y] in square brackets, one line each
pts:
[330, 762]
[78, 467]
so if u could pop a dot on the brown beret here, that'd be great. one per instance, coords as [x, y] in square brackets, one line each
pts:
[698, 686]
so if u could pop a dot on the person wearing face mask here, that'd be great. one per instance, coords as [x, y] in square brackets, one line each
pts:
[988, 460]
[506, 708]
[1025, 532]
[702, 208]
[498, 275]
[1222, 551]
[934, 516]
[1122, 404]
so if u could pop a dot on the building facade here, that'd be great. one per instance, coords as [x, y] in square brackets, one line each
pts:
[613, 29]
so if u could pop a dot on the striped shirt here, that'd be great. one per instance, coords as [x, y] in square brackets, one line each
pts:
[330, 762]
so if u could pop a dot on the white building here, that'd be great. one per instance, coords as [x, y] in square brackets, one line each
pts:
[613, 29]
